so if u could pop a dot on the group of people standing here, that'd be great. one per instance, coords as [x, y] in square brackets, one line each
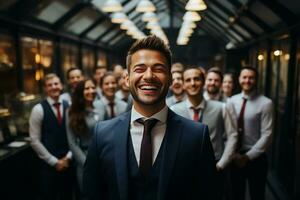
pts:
[190, 145]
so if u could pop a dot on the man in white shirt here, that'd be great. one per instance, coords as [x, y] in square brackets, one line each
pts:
[212, 113]
[48, 139]
[177, 89]
[254, 117]
[149, 152]
[74, 76]
[213, 84]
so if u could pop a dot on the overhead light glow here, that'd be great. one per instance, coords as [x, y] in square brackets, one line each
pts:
[118, 17]
[195, 5]
[277, 52]
[112, 6]
[191, 16]
[145, 6]
[260, 57]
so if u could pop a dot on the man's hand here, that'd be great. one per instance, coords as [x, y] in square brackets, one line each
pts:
[240, 160]
[62, 164]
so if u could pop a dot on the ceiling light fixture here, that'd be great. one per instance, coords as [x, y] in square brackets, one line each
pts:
[112, 6]
[145, 6]
[195, 5]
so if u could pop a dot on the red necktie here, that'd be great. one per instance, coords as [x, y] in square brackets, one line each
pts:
[146, 146]
[241, 125]
[196, 114]
[112, 112]
[58, 113]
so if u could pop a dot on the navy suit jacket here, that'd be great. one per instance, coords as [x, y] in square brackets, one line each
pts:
[188, 164]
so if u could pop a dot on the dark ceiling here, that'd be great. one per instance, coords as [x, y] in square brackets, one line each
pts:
[230, 22]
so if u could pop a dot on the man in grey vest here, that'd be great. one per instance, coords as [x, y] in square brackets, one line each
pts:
[212, 113]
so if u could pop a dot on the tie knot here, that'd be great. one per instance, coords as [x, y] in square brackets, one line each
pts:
[111, 103]
[57, 104]
[196, 110]
[148, 124]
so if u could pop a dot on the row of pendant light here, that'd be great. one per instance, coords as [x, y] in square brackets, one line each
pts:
[146, 7]
[189, 20]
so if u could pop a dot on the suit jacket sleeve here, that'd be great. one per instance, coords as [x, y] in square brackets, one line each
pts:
[207, 168]
[91, 176]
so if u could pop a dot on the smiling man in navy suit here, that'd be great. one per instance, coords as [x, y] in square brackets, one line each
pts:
[150, 152]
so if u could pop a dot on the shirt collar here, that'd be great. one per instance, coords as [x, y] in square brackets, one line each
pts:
[201, 105]
[51, 101]
[105, 100]
[160, 116]
[215, 97]
[250, 96]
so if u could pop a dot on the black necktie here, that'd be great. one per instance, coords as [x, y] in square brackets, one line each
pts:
[241, 125]
[146, 146]
[112, 112]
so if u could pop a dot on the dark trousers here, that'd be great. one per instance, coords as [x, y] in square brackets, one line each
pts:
[255, 173]
[56, 185]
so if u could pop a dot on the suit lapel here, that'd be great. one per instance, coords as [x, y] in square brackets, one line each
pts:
[172, 139]
[121, 138]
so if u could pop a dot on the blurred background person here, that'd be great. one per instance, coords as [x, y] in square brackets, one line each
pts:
[176, 67]
[177, 89]
[48, 139]
[118, 71]
[123, 93]
[112, 105]
[80, 122]
[74, 76]
[213, 83]
[98, 73]
[227, 86]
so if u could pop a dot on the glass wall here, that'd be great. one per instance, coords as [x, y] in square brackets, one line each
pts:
[37, 60]
[8, 72]
[69, 56]
[88, 61]
[102, 59]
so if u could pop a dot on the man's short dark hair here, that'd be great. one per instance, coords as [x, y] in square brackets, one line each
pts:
[252, 69]
[202, 75]
[109, 73]
[216, 70]
[151, 42]
[99, 67]
[70, 70]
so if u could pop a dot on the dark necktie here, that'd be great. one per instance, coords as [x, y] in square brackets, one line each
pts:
[58, 113]
[146, 146]
[196, 114]
[241, 125]
[112, 112]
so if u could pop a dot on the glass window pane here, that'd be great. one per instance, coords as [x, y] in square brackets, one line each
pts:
[252, 25]
[265, 14]
[37, 61]
[98, 30]
[227, 5]
[8, 73]
[50, 11]
[81, 21]
[69, 55]
[218, 10]
[6, 4]
[102, 60]
[280, 59]
[88, 61]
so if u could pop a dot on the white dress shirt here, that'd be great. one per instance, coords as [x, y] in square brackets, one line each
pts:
[207, 97]
[106, 102]
[258, 122]
[35, 127]
[230, 131]
[157, 135]
[190, 107]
